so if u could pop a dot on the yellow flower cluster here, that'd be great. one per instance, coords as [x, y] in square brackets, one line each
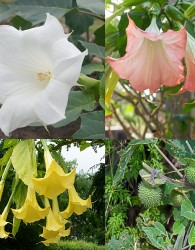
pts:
[50, 186]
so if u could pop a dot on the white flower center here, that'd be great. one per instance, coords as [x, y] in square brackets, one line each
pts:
[46, 76]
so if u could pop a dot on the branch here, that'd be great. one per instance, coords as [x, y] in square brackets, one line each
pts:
[121, 123]
[168, 161]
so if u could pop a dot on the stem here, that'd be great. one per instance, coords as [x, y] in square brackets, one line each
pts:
[44, 142]
[46, 203]
[116, 13]
[176, 2]
[187, 235]
[168, 161]
[121, 123]
[190, 148]
[6, 209]
[4, 176]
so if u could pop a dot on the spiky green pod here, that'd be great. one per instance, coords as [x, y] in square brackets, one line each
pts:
[149, 196]
[190, 174]
[176, 198]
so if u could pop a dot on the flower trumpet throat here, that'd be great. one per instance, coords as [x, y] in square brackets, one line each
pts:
[76, 204]
[54, 182]
[152, 59]
[44, 76]
[31, 211]
[3, 222]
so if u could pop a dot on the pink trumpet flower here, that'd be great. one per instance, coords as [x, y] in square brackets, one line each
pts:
[190, 65]
[152, 59]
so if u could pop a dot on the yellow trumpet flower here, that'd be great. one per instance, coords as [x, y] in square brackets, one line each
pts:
[3, 222]
[76, 204]
[54, 182]
[55, 225]
[31, 211]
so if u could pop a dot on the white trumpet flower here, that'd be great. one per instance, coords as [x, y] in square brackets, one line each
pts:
[38, 67]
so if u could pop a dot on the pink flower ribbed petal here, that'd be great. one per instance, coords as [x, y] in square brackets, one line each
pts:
[151, 60]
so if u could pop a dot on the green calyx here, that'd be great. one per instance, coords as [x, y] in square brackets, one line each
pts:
[190, 174]
[149, 196]
[176, 198]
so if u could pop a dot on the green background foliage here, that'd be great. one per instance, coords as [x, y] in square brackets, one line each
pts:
[130, 223]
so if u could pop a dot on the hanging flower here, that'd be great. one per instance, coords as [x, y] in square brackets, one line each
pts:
[189, 84]
[76, 204]
[55, 225]
[54, 182]
[152, 59]
[38, 67]
[3, 222]
[30, 211]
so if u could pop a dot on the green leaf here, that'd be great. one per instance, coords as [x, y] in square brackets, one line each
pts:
[168, 187]
[100, 36]
[191, 238]
[188, 106]
[102, 92]
[125, 156]
[6, 12]
[141, 142]
[125, 242]
[24, 161]
[20, 23]
[179, 149]
[96, 7]
[92, 126]
[153, 235]
[84, 145]
[77, 102]
[190, 28]
[35, 11]
[93, 67]
[160, 227]
[9, 143]
[186, 210]
[78, 22]
[19, 198]
[16, 225]
[94, 49]
[6, 156]
[129, 3]
[178, 227]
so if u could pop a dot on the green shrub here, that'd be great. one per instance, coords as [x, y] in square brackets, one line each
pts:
[75, 245]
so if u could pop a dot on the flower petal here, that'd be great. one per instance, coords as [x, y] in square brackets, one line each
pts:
[189, 84]
[51, 104]
[76, 204]
[31, 211]
[55, 181]
[17, 111]
[67, 61]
